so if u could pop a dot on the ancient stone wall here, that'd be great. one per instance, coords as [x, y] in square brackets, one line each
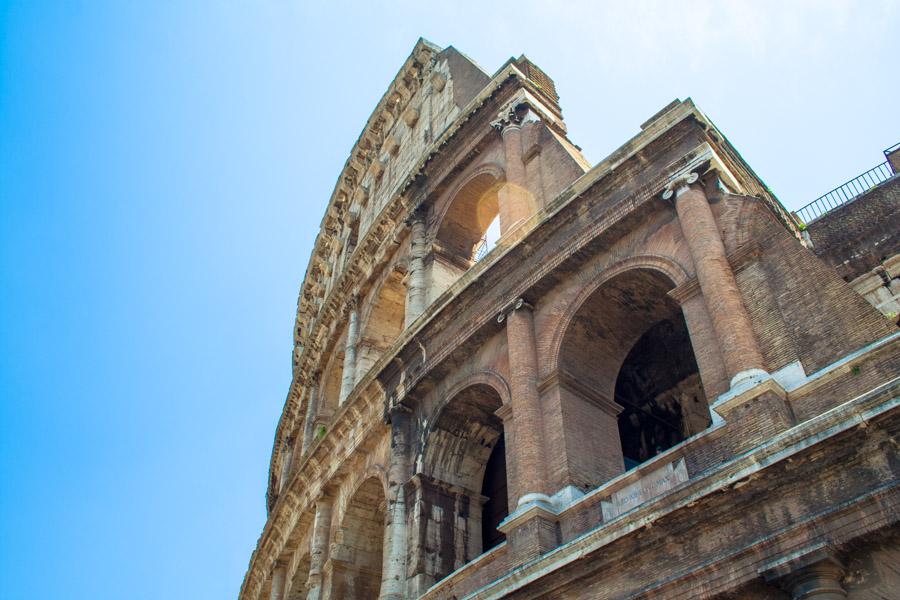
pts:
[648, 388]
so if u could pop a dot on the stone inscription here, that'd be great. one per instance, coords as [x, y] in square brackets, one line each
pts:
[647, 487]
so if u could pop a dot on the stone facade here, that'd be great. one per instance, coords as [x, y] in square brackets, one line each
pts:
[650, 387]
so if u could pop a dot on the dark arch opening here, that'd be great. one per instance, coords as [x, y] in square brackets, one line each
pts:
[496, 507]
[659, 389]
[464, 480]
[627, 368]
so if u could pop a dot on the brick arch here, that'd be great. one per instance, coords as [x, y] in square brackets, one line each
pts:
[653, 262]
[469, 209]
[493, 169]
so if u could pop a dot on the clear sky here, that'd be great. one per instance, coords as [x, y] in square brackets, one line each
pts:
[164, 166]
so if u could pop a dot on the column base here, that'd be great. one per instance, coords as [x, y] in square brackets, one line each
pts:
[748, 377]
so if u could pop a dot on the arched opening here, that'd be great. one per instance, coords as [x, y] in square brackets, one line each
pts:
[463, 237]
[627, 369]
[493, 487]
[357, 549]
[463, 478]
[384, 323]
[297, 588]
[330, 384]
[471, 212]
[660, 392]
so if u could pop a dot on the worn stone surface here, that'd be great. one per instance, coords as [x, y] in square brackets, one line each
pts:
[579, 379]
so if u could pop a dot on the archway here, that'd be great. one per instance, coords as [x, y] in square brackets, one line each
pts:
[383, 324]
[357, 549]
[463, 478]
[659, 389]
[472, 210]
[297, 589]
[627, 369]
[461, 238]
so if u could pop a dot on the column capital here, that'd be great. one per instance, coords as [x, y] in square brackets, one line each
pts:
[680, 184]
[418, 215]
[507, 119]
[814, 573]
[517, 304]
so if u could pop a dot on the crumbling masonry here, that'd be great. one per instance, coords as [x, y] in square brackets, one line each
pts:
[657, 383]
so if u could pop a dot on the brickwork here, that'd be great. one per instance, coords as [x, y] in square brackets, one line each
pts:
[858, 236]
[614, 313]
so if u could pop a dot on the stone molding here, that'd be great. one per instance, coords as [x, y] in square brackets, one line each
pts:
[562, 378]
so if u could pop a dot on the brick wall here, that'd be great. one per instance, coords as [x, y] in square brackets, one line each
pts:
[859, 235]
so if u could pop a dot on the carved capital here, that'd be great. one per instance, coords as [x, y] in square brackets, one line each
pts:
[418, 216]
[517, 304]
[680, 184]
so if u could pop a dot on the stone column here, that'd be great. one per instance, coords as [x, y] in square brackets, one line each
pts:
[417, 291]
[742, 357]
[516, 204]
[318, 546]
[393, 581]
[528, 452]
[312, 402]
[349, 375]
[279, 577]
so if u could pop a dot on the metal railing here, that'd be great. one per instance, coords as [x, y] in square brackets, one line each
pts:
[481, 249]
[845, 193]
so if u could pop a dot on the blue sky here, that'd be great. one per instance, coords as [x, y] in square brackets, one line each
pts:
[163, 170]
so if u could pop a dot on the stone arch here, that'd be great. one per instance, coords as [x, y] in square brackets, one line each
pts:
[625, 364]
[297, 581]
[357, 548]
[383, 323]
[329, 388]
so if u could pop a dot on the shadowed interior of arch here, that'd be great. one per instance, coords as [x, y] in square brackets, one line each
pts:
[465, 450]
[628, 343]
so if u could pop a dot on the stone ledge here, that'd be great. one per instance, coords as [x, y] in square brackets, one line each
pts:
[881, 400]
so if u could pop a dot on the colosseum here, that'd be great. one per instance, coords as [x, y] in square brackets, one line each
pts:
[516, 374]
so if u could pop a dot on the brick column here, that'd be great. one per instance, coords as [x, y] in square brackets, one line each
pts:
[349, 373]
[417, 291]
[318, 546]
[730, 321]
[528, 450]
[309, 426]
[515, 202]
[279, 577]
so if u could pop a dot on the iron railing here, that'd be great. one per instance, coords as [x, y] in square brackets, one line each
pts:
[845, 193]
[481, 249]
